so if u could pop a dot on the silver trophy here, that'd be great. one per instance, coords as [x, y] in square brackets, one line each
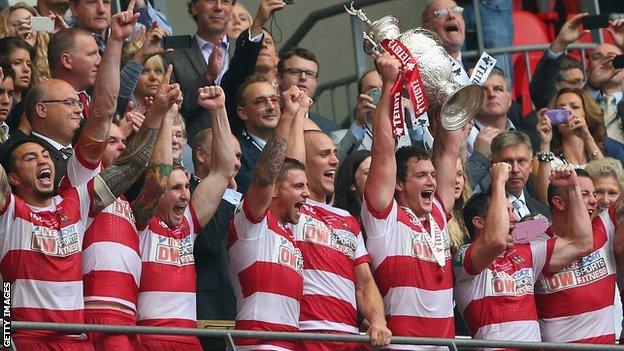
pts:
[455, 104]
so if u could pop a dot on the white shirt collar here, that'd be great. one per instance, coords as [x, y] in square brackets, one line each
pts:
[257, 140]
[512, 198]
[5, 127]
[54, 143]
[201, 42]
[479, 125]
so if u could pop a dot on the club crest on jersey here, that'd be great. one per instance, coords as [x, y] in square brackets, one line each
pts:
[289, 256]
[172, 251]
[518, 283]
[61, 243]
[588, 269]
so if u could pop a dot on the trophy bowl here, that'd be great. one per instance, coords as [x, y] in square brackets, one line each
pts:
[456, 105]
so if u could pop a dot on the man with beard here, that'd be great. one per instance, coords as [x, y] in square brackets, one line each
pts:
[167, 288]
[265, 264]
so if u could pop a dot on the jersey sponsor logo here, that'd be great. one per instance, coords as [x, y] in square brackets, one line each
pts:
[122, 209]
[178, 252]
[61, 243]
[290, 256]
[317, 232]
[420, 247]
[518, 283]
[581, 272]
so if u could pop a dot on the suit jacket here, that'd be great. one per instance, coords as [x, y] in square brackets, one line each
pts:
[615, 148]
[58, 158]
[478, 169]
[249, 159]
[215, 295]
[326, 125]
[542, 85]
[242, 65]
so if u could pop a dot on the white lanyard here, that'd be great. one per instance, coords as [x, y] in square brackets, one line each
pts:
[435, 239]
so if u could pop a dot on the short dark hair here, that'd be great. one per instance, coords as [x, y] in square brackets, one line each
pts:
[406, 153]
[34, 96]
[256, 78]
[475, 207]
[507, 139]
[190, 7]
[566, 63]
[6, 151]
[360, 84]
[201, 139]
[300, 52]
[64, 41]
[499, 72]
[289, 165]
[344, 197]
[7, 69]
[558, 191]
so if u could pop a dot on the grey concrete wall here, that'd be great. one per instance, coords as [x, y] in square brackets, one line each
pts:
[331, 40]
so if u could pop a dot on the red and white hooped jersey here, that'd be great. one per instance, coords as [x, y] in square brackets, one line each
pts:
[576, 303]
[332, 246]
[267, 275]
[167, 289]
[41, 251]
[498, 303]
[417, 292]
[111, 260]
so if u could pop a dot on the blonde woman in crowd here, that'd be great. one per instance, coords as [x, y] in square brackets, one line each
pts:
[608, 178]
[457, 227]
[15, 22]
[240, 20]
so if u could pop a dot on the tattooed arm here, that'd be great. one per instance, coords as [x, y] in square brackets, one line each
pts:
[158, 171]
[295, 147]
[93, 137]
[207, 196]
[260, 192]
[130, 164]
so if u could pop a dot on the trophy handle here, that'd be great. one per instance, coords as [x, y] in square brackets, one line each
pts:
[359, 13]
[371, 47]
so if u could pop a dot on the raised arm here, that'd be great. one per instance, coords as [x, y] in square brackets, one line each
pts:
[445, 154]
[157, 173]
[260, 192]
[578, 239]
[5, 188]
[106, 88]
[130, 164]
[382, 173]
[295, 147]
[618, 242]
[493, 241]
[208, 193]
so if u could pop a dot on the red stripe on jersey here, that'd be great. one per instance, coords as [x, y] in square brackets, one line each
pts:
[584, 297]
[377, 214]
[167, 277]
[264, 326]
[315, 256]
[396, 271]
[494, 310]
[263, 276]
[168, 322]
[327, 308]
[22, 264]
[421, 326]
[112, 228]
[604, 339]
[45, 315]
[115, 284]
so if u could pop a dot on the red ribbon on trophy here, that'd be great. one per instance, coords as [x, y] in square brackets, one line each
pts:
[410, 79]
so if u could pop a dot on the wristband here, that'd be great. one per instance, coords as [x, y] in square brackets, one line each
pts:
[594, 154]
[545, 156]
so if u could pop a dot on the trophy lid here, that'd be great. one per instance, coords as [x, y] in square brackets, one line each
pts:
[461, 107]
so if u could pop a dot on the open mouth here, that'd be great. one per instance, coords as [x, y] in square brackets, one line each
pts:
[179, 209]
[427, 195]
[330, 175]
[45, 177]
[591, 212]
[451, 28]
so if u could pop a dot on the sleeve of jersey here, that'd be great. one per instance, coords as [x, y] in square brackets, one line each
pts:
[247, 227]
[378, 223]
[541, 253]
[462, 264]
[6, 218]
[79, 170]
[191, 217]
[361, 254]
[440, 213]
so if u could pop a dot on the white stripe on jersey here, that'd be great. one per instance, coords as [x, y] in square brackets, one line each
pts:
[400, 301]
[270, 308]
[97, 257]
[166, 304]
[56, 295]
[318, 282]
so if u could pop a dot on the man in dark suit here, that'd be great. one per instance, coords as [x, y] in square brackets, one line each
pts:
[299, 67]
[513, 147]
[258, 105]
[215, 295]
[201, 65]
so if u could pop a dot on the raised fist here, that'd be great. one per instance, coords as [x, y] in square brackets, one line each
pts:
[388, 67]
[292, 100]
[212, 98]
[563, 176]
[500, 172]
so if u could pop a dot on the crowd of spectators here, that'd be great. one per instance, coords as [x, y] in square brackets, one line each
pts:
[157, 187]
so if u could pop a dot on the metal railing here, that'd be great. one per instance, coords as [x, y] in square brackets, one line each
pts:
[453, 344]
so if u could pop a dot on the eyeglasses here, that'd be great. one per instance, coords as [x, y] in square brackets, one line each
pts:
[223, 2]
[297, 72]
[68, 102]
[457, 10]
[263, 101]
